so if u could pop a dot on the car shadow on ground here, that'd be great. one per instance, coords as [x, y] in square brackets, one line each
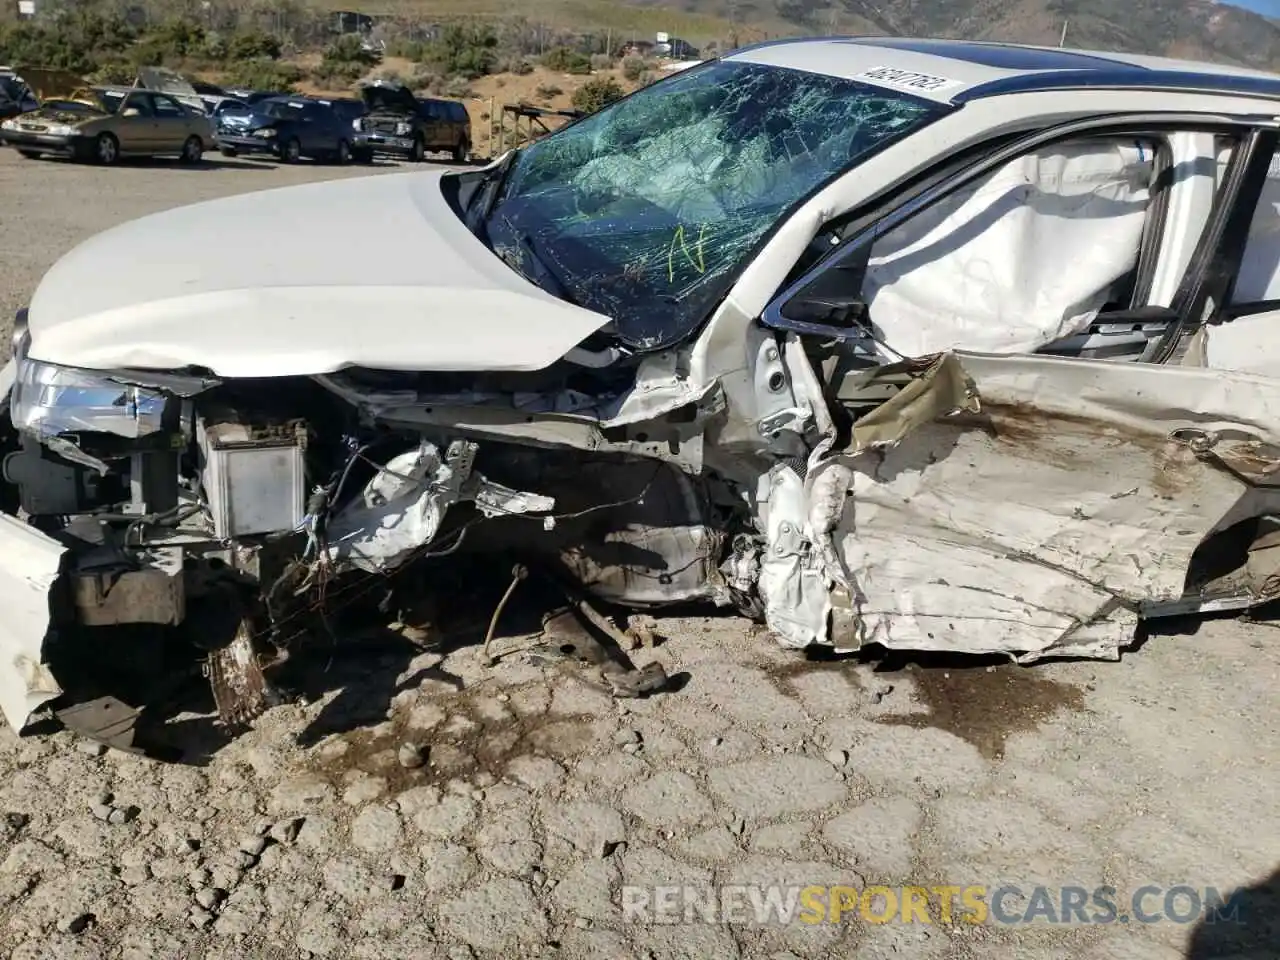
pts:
[263, 162]
[1246, 927]
[356, 660]
[206, 163]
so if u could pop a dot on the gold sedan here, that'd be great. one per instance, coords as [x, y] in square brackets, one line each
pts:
[75, 120]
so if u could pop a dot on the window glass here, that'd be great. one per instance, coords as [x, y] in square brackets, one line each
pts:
[646, 210]
[167, 108]
[138, 102]
[1259, 276]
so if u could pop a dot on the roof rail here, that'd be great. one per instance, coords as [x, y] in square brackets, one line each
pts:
[1174, 81]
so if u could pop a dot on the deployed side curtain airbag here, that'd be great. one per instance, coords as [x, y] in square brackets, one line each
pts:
[1259, 277]
[1023, 257]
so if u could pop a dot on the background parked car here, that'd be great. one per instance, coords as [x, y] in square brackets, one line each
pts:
[352, 112]
[78, 121]
[288, 128]
[247, 95]
[14, 97]
[400, 124]
[449, 124]
[229, 104]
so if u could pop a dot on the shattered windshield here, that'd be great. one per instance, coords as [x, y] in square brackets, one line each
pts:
[647, 210]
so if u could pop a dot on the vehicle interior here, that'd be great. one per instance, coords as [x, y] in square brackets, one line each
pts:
[1077, 248]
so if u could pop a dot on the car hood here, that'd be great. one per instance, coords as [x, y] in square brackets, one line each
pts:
[69, 117]
[387, 100]
[57, 85]
[371, 272]
[166, 81]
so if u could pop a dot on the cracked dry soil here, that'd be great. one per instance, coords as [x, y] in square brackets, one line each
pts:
[539, 797]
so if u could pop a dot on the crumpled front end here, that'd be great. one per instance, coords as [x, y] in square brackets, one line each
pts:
[237, 515]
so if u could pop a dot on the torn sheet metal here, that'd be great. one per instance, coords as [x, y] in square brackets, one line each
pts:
[795, 582]
[1039, 525]
[1243, 345]
[645, 566]
[642, 539]
[680, 443]
[923, 390]
[30, 564]
[403, 506]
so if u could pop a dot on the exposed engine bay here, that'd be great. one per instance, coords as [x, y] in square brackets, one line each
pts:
[282, 498]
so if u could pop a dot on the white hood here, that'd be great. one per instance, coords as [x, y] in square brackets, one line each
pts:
[372, 271]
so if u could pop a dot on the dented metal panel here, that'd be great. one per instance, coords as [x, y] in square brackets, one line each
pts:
[30, 563]
[1039, 524]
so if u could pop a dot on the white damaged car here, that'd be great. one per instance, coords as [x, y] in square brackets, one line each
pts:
[934, 345]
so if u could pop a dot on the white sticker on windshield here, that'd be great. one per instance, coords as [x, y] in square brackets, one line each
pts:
[907, 79]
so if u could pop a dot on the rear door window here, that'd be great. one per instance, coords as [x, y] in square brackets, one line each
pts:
[1259, 278]
[140, 102]
[166, 107]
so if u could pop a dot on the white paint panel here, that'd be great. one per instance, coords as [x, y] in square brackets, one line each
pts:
[371, 271]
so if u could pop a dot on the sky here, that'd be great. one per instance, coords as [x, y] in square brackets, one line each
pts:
[1270, 7]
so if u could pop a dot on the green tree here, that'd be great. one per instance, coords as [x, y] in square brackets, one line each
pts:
[633, 68]
[171, 41]
[349, 49]
[597, 93]
[564, 60]
[80, 42]
[464, 50]
[253, 45]
[263, 75]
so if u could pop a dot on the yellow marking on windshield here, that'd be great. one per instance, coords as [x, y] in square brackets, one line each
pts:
[678, 240]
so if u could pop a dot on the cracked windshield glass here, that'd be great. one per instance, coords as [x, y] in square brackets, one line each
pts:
[646, 211]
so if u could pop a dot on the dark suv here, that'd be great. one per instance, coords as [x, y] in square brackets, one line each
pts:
[400, 124]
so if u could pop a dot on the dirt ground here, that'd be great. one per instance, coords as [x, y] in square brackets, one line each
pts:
[543, 804]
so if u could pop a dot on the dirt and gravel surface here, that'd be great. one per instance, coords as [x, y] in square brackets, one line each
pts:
[409, 801]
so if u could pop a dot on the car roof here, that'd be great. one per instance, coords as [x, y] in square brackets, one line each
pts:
[955, 71]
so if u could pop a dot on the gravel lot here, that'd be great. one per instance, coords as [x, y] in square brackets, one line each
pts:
[542, 796]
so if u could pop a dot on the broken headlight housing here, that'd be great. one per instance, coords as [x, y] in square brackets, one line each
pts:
[49, 400]
[404, 128]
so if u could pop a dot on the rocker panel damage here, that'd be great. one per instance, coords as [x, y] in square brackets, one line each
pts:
[1059, 500]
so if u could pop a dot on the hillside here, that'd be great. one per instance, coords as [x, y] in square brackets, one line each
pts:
[1198, 29]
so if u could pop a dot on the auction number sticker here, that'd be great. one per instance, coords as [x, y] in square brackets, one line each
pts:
[907, 79]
